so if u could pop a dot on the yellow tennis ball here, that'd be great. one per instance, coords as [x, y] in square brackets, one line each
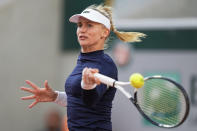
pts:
[136, 80]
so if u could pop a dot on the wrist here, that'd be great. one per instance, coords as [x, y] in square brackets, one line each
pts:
[55, 94]
[61, 98]
[87, 86]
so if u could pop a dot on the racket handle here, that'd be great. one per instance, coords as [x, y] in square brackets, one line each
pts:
[105, 79]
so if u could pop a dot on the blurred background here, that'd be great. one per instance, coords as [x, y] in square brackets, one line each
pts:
[38, 43]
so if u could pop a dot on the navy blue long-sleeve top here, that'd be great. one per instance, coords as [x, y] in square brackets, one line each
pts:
[90, 110]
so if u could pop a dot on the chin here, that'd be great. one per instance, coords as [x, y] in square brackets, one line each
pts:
[84, 43]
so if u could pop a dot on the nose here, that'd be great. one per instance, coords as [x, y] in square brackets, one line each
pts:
[82, 28]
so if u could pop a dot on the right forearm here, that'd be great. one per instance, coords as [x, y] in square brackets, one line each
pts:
[90, 97]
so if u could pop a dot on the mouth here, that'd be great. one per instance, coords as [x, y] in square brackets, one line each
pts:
[82, 37]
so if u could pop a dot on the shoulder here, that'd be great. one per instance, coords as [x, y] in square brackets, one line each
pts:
[108, 60]
[108, 66]
[104, 64]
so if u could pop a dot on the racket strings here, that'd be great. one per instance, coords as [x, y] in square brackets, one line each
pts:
[162, 101]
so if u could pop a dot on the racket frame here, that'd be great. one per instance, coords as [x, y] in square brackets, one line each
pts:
[118, 84]
[135, 102]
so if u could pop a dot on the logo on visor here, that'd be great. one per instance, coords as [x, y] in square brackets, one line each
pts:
[86, 11]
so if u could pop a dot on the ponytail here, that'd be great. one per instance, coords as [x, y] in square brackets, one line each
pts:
[123, 36]
[129, 36]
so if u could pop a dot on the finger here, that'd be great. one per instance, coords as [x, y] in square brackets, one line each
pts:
[33, 104]
[27, 89]
[91, 73]
[28, 97]
[83, 74]
[32, 84]
[91, 79]
[46, 84]
[98, 82]
[84, 70]
[91, 76]
[85, 78]
[94, 70]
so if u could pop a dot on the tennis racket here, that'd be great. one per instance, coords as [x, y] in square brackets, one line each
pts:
[161, 100]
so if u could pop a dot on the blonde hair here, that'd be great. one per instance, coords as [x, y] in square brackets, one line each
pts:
[124, 36]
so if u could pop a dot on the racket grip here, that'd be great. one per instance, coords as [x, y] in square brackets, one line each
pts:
[105, 79]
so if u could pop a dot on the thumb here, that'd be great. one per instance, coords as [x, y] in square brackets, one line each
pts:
[46, 84]
[94, 71]
[98, 82]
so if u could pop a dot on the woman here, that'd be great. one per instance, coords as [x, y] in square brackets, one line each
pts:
[88, 102]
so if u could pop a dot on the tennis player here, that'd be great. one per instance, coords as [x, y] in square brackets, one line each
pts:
[88, 102]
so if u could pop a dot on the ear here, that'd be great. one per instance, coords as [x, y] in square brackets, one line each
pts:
[105, 33]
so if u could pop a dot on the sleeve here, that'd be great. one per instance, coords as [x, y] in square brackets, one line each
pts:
[61, 98]
[92, 96]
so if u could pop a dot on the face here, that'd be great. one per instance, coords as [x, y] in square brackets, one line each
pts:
[91, 34]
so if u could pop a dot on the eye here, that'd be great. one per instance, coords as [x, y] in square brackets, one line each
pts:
[79, 24]
[90, 25]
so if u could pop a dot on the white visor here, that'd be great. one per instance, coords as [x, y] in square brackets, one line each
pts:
[92, 15]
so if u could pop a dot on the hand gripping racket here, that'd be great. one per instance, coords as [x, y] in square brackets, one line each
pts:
[161, 100]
